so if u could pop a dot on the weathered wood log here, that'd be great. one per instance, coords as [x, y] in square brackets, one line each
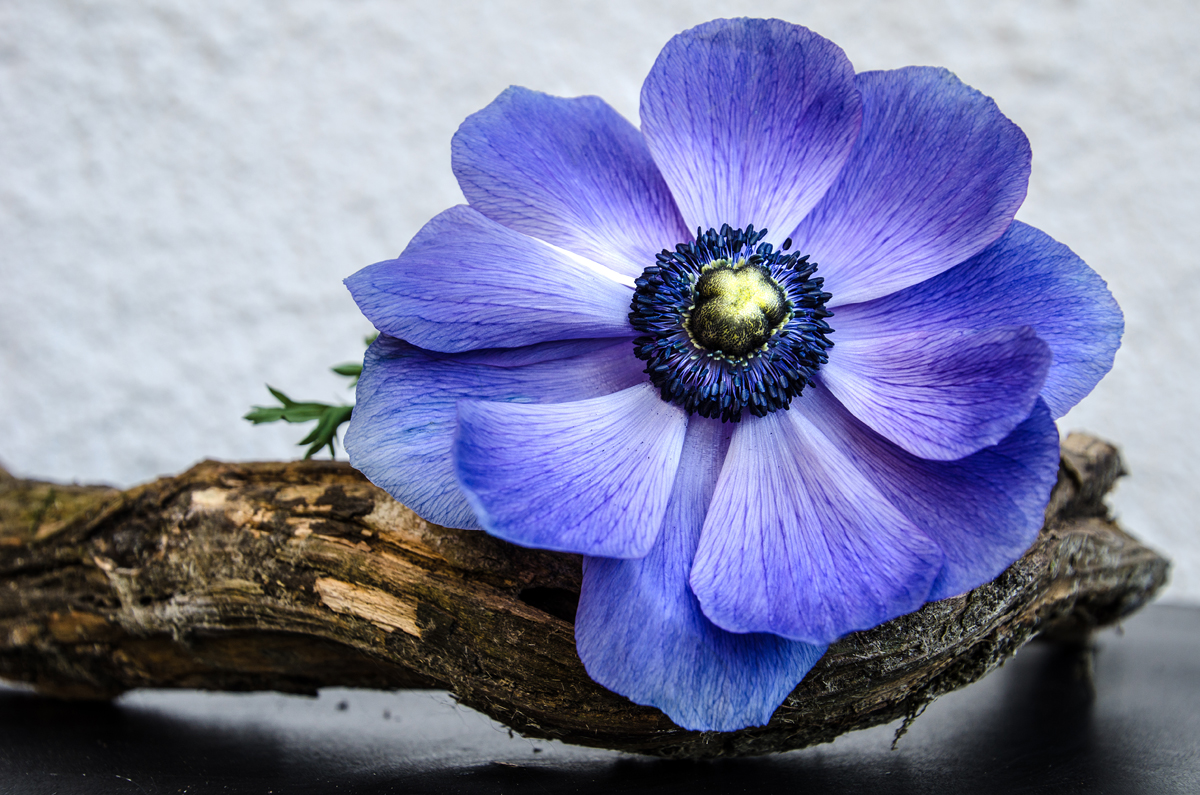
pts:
[294, 576]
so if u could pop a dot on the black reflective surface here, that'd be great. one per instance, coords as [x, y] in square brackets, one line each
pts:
[1031, 727]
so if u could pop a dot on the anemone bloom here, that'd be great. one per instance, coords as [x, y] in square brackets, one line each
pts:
[620, 347]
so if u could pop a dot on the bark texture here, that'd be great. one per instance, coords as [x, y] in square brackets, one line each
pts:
[294, 576]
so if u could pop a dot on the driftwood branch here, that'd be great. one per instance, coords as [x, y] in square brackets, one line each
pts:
[295, 576]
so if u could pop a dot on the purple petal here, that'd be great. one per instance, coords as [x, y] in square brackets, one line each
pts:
[983, 510]
[402, 429]
[640, 632]
[1024, 278]
[750, 121]
[467, 282]
[570, 172]
[936, 175]
[591, 477]
[798, 542]
[940, 394]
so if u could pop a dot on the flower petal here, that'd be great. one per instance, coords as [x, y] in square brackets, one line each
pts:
[640, 632]
[940, 394]
[1027, 278]
[984, 510]
[798, 542]
[467, 282]
[402, 429]
[750, 121]
[570, 172]
[936, 175]
[592, 476]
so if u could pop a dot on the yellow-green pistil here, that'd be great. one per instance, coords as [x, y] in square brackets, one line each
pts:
[737, 308]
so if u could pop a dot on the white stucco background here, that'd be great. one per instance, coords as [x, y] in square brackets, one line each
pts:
[184, 185]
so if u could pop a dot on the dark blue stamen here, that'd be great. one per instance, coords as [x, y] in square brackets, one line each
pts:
[729, 324]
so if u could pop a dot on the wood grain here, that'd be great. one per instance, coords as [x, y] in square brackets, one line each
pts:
[295, 576]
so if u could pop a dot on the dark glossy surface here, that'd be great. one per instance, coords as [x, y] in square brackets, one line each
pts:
[1032, 727]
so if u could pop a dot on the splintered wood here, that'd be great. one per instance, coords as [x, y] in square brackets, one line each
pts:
[296, 576]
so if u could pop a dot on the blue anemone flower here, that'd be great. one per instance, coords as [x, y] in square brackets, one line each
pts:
[780, 364]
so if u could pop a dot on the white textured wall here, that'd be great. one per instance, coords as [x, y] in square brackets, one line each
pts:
[183, 186]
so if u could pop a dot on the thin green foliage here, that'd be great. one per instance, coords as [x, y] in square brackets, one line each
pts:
[329, 418]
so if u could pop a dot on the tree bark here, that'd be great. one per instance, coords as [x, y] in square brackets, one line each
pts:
[295, 576]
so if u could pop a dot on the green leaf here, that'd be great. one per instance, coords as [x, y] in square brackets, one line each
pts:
[326, 431]
[261, 414]
[289, 411]
[352, 370]
[329, 419]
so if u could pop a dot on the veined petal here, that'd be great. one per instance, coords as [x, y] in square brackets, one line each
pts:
[640, 631]
[402, 429]
[750, 121]
[592, 476]
[936, 175]
[798, 542]
[984, 510]
[940, 394]
[467, 282]
[570, 172]
[1024, 278]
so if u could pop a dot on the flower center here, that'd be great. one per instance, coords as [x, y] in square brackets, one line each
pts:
[737, 308]
[729, 324]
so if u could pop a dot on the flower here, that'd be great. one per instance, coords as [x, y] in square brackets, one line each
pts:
[754, 460]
